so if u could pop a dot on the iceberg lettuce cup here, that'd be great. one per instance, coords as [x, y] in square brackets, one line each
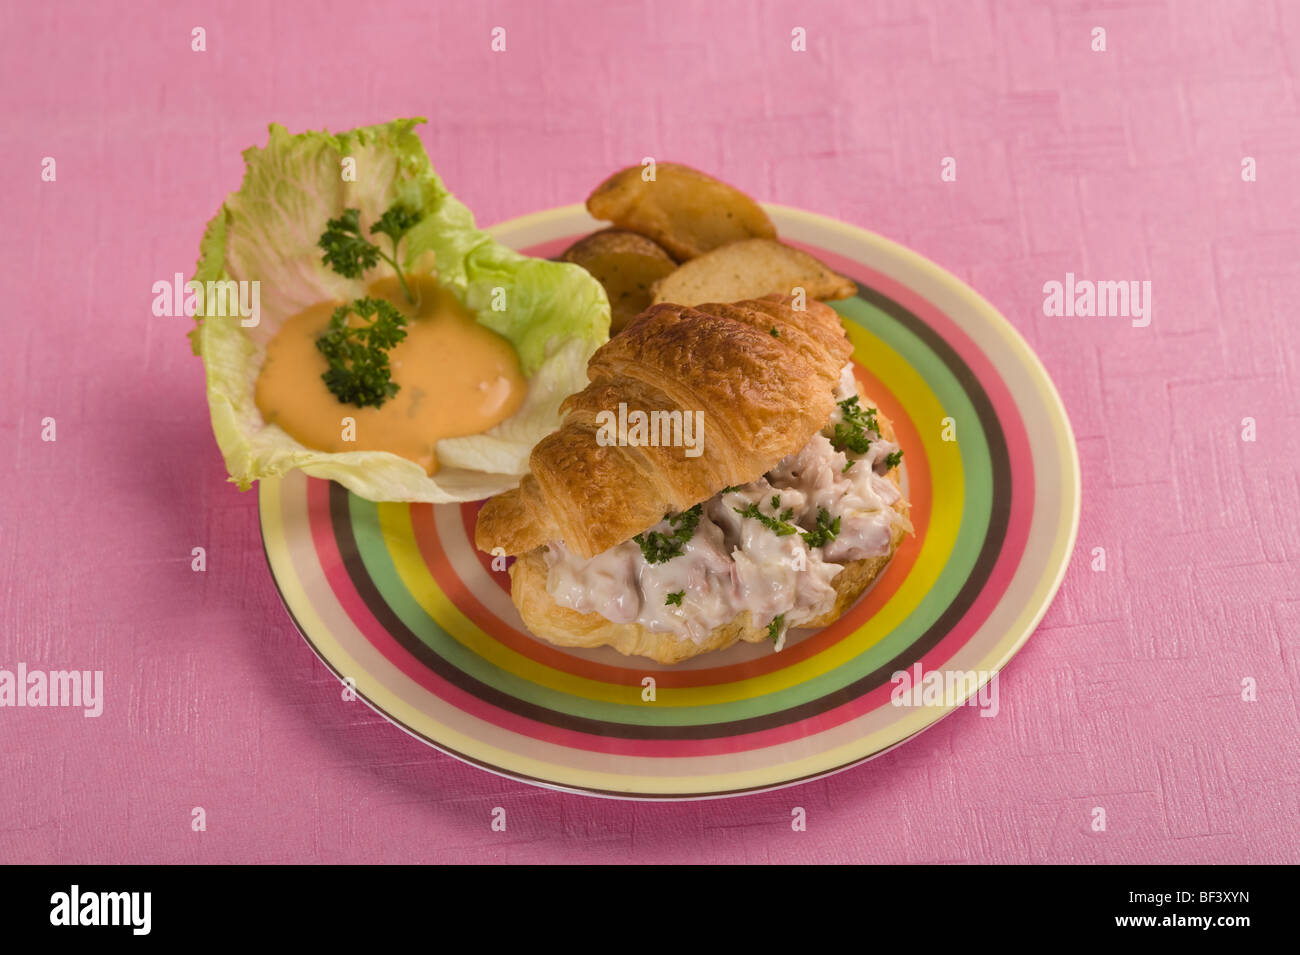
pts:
[269, 232]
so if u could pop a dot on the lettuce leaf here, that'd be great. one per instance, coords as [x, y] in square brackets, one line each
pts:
[556, 314]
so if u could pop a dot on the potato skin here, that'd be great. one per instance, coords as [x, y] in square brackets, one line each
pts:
[627, 265]
[614, 240]
[751, 268]
[684, 210]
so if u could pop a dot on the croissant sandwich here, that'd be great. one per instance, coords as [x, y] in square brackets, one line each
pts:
[719, 479]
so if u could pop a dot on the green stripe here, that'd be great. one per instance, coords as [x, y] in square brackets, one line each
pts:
[977, 464]
[974, 524]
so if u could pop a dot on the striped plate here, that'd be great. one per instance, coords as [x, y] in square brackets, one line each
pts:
[396, 597]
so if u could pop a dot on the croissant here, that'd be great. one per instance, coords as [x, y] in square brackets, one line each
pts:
[763, 377]
[761, 372]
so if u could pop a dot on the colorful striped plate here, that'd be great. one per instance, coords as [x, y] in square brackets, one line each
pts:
[396, 597]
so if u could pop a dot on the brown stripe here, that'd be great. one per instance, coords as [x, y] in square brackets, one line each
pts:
[970, 589]
[538, 780]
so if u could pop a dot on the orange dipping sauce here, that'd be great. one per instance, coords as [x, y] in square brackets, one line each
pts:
[454, 376]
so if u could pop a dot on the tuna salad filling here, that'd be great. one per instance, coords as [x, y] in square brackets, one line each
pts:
[771, 547]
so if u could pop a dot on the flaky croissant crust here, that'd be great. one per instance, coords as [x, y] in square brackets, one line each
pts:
[762, 373]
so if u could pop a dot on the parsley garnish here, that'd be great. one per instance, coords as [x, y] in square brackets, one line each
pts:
[675, 599]
[779, 525]
[825, 531]
[359, 373]
[773, 332]
[349, 253]
[729, 488]
[775, 627]
[346, 251]
[851, 434]
[395, 223]
[894, 459]
[657, 547]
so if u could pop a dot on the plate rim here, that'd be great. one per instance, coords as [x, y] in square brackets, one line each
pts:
[515, 232]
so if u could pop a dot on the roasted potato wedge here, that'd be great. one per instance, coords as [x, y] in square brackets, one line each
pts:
[614, 240]
[748, 269]
[627, 265]
[682, 209]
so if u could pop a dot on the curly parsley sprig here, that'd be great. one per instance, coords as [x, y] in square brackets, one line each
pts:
[349, 253]
[776, 627]
[825, 531]
[853, 432]
[658, 547]
[359, 372]
[779, 525]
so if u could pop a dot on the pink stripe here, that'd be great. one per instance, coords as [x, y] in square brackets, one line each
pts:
[1003, 571]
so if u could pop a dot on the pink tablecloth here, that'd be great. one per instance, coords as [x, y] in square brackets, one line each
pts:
[1122, 164]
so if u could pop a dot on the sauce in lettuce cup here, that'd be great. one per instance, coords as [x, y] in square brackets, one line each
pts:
[490, 336]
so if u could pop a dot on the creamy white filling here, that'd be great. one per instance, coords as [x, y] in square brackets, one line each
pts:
[734, 563]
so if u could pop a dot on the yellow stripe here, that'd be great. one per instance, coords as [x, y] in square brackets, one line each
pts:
[948, 494]
[399, 537]
[1015, 362]
[513, 761]
[1025, 366]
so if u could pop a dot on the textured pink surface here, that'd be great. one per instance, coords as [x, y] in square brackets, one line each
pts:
[1117, 165]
